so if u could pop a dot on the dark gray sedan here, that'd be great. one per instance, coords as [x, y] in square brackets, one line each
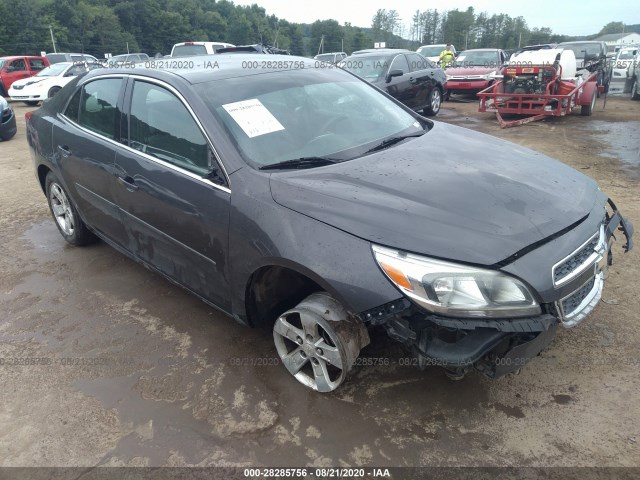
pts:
[306, 199]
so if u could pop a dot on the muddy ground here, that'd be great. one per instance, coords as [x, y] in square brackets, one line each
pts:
[135, 371]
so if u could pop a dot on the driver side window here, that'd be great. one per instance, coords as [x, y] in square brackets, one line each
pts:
[400, 63]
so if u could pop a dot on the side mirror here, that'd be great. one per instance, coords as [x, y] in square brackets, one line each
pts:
[394, 73]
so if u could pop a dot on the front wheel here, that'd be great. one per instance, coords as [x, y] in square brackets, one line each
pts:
[635, 90]
[318, 342]
[435, 101]
[69, 223]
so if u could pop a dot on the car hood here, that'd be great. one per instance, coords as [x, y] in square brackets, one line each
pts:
[470, 70]
[452, 193]
[30, 81]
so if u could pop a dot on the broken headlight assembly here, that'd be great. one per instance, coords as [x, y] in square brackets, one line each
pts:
[454, 289]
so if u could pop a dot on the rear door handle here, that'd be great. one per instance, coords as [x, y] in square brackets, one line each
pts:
[128, 182]
[64, 150]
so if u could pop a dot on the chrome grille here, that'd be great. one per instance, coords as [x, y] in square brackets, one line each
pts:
[579, 260]
[573, 301]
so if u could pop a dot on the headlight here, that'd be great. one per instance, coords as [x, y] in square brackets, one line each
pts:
[453, 289]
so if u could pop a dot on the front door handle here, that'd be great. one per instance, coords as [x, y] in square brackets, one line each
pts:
[129, 183]
[64, 150]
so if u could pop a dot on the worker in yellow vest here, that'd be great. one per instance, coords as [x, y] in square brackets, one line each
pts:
[446, 56]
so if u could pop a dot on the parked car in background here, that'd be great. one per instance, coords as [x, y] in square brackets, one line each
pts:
[126, 58]
[48, 82]
[7, 120]
[308, 201]
[333, 57]
[635, 77]
[432, 52]
[474, 70]
[70, 57]
[622, 70]
[256, 48]
[18, 67]
[188, 49]
[405, 75]
[592, 56]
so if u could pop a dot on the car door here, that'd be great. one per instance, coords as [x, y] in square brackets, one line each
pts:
[16, 70]
[176, 210]
[422, 78]
[401, 87]
[85, 139]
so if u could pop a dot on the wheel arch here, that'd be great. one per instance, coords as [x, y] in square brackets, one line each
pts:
[278, 285]
[42, 171]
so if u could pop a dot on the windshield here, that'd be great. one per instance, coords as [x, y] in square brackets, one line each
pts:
[626, 55]
[188, 50]
[433, 51]
[288, 115]
[579, 49]
[476, 59]
[326, 57]
[53, 71]
[370, 68]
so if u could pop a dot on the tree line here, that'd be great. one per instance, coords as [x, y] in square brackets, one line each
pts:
[153, 26]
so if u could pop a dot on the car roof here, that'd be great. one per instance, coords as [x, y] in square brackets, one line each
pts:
[7, 57]
[378, 51]
[206, 67]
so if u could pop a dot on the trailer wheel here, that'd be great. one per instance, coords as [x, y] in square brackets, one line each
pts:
[587, 110]
[635, 90]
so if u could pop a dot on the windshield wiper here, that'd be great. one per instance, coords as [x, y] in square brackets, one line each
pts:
[392, 141]
[302, 162]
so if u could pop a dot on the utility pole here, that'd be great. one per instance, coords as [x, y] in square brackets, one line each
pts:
[520, 40]
[321, 46]
[52, 40]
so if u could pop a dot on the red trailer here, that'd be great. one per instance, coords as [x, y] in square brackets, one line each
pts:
[540, 83]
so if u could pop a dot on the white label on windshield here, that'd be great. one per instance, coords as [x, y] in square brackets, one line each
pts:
[253, 117]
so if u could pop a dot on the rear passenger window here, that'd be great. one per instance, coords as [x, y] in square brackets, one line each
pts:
[71, 112]
[161, 126]
[36, 64]
[98, 106]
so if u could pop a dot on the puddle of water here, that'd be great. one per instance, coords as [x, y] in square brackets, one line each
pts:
[620, 140]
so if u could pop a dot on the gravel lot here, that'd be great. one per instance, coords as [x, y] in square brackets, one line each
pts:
[134, 371]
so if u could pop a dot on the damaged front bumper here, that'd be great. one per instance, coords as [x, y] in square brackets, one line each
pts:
[497, 347]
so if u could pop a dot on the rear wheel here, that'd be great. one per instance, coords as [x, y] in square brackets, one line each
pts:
[635, 90]
[69, 223]
[318, 342]
[53, 91]
[435, 100]
[587, 110]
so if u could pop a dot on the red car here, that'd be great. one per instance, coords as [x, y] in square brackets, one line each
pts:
[17, 67]
[473, 70]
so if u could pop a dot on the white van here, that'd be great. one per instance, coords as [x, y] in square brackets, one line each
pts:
[188, 49]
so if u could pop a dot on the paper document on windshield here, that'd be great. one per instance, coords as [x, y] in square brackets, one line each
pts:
[253, 117]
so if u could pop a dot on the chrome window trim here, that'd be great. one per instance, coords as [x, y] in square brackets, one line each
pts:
[600, 250]
[188, 173]
[152, 158]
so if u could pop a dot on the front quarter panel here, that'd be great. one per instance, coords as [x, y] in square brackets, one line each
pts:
[264, 233]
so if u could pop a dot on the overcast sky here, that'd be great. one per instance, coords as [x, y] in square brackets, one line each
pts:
[583, 17]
